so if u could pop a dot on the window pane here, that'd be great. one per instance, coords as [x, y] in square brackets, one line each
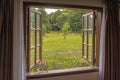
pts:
[90, 21]
[32, 41]
[32, 26]
[85, 23]
[38, 36]
[90, 37]
[85, 37]
[90, 53]
[38, 52]
[38, 21]
[32, 59]
[32, 20]
[85, 51]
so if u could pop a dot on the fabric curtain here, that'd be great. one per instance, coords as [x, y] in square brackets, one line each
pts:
[102, 48]
[110, 42]
[19, 55]
[6, 39]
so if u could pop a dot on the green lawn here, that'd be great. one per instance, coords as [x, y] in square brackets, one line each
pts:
[60, 53]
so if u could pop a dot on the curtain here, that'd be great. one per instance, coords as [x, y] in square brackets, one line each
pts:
[6, 39]
[110, 42]
[102, 48]
[19, 55]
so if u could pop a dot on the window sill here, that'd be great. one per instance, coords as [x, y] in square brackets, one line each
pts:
[53, 73]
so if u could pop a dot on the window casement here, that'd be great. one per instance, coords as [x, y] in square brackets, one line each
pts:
[34, 37]
[90, 37]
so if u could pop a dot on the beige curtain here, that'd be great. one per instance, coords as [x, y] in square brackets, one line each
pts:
[110, 42]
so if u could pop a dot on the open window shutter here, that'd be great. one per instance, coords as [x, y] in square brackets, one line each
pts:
[88, 37]
[33, 38]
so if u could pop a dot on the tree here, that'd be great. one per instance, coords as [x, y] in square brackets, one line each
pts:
[61, 19]
[76, 20]
[65, 29]
[54, 20]
[45, 19]
[44, 30]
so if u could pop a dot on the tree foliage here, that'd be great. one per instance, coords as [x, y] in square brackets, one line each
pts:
[56, 20]
[44, 30]
[65, 29]
[45, 19]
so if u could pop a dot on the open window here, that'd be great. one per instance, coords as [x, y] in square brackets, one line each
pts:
[34, 41]
[91, 37]
[88, 38]
[34, 37]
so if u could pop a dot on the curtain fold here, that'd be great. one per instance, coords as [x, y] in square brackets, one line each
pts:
[102, 48]
[19, 55]
[6, 39]
[110, 42]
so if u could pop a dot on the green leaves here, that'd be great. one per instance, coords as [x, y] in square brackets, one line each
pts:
[65, 29]
[44, 30]
[56, 20]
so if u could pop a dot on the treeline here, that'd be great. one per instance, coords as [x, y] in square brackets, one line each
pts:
[56, 21]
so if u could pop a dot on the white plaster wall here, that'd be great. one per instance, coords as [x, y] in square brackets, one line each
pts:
[86, 76]
[95, 3]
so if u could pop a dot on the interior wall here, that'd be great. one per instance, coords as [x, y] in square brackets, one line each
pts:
[86, 76]
[95, 3]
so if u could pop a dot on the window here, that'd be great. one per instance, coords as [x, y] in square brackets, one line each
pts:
[88, 42]
[34, 45]
[35, 37]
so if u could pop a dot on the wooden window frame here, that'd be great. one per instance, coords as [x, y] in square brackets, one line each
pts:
[87, 44]
[97, 20]
[27, 37]
[63, 72]
[26, 5]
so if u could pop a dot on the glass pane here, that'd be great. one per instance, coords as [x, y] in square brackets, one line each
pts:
[38, 21]
[32, 59]
[89, 37]
[85, 23]
[32, 20]
[90, 53]
[85, 51]
[32, 36]
[90, 21]
[38, 37]
[38, 53]
[85, 37]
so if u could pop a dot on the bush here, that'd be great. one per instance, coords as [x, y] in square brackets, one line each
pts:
[65, 29]
[44, 30]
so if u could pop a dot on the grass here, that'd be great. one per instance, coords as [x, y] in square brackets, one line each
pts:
[60, 53]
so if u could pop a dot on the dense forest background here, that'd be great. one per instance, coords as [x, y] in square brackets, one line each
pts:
[56, 21]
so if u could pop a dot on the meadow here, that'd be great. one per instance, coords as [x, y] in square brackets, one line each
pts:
[60, 53]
